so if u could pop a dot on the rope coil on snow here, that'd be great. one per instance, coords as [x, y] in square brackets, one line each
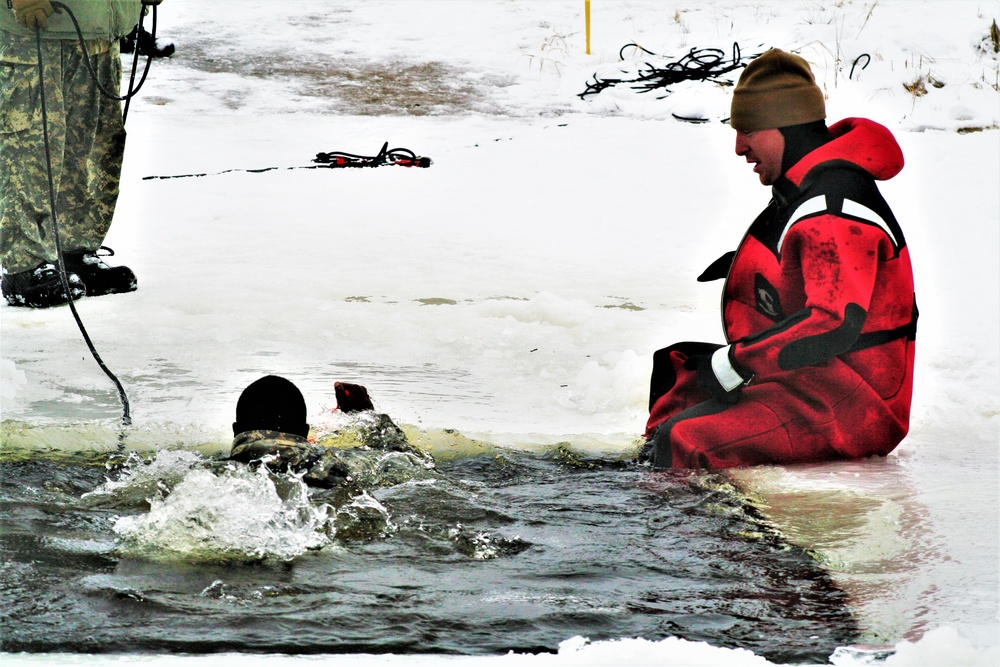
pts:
[707, 64]
[402, 157]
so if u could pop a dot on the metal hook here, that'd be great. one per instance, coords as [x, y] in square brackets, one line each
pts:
[855, 64]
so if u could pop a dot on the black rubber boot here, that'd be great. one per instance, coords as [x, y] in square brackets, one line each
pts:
[99, 278]
[41, 287]
[147, 45]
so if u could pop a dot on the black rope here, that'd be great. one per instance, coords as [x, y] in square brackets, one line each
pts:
[130, 91]
[64, 277]
[708, 64]
[400, 157]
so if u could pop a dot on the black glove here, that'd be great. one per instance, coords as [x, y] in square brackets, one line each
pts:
[708, 381]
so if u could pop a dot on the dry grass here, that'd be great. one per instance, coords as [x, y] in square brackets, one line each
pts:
[918, 87]
[551, 50]
[971, 130]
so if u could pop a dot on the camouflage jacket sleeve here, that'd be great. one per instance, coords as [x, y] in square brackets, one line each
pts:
[284, 452]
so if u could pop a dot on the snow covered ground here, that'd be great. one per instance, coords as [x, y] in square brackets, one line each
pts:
[516, 290]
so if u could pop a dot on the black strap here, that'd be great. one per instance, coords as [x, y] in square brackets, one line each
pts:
[718, 269]
[873, 338]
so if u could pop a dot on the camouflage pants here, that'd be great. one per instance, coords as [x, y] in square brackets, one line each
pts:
[86, 143]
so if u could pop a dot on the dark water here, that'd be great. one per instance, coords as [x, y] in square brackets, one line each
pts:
[493, 551]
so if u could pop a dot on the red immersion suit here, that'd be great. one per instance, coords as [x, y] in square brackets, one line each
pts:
[820, 318]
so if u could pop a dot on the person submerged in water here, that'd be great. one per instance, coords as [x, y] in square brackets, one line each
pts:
[271, 428]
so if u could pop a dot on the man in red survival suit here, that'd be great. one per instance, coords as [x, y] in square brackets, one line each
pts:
[818, 305]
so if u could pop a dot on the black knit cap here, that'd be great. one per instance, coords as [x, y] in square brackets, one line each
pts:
[271, 403]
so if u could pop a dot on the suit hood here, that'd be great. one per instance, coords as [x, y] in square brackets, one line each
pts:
[856, 141]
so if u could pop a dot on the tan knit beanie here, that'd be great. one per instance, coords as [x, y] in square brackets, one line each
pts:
[776, 89]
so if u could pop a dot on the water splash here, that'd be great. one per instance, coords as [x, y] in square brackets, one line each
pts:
[484, 545]
[235, 515]
[141, 479]
[364, 518]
